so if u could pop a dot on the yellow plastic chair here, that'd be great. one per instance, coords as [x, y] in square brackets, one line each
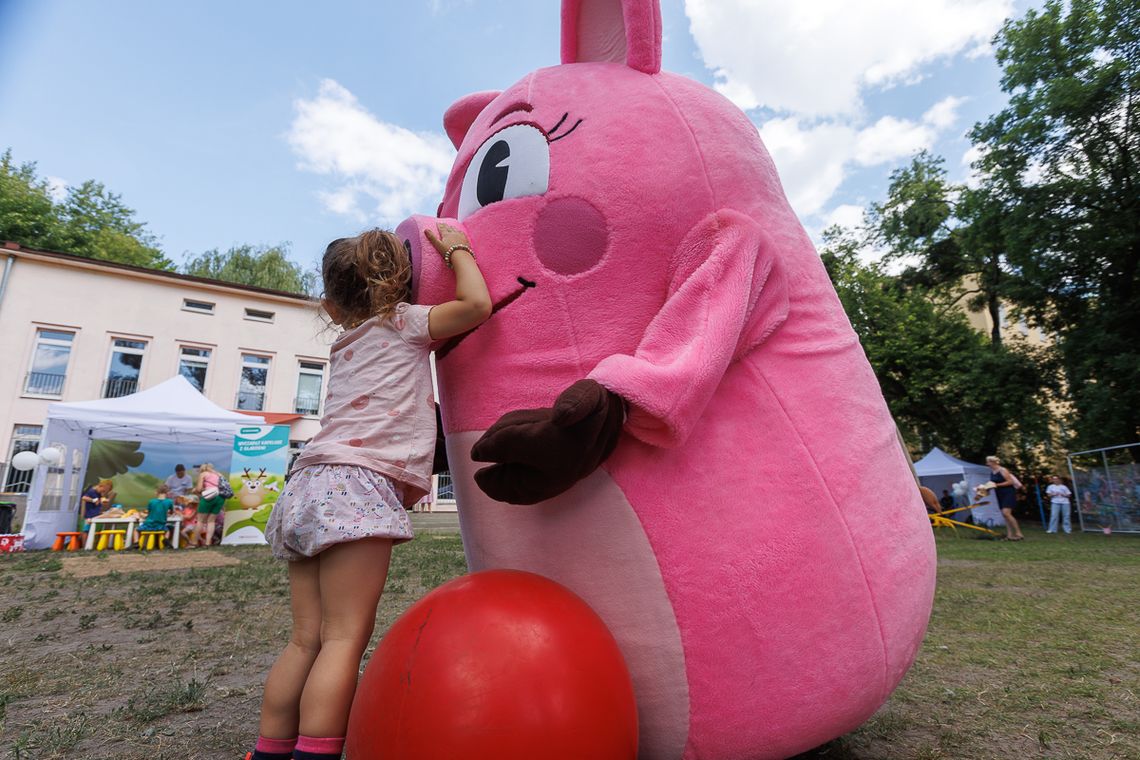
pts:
[148, 539]
[117, 539]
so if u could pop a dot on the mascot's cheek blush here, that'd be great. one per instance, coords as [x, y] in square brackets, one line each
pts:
[570, 236]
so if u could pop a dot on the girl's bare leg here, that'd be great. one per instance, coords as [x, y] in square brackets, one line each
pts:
[281, 703]
[352, 577]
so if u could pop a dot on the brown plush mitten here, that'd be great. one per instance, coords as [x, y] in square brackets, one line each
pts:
[539, 453]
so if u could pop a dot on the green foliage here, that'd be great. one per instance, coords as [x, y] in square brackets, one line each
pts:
[89, 221]
[950, 235]
[110, 458]
[27, 212]
[260, 266]
[945, 384]
[1065, 157]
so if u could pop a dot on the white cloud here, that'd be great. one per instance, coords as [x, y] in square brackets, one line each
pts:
[380, 170]
[811, 64]
[816, 59]
[889, 139]
[845, 215]
[815, 158]
[944, 113]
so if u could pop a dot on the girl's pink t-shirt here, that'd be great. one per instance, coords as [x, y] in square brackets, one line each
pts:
[380, 408]
[210, 480]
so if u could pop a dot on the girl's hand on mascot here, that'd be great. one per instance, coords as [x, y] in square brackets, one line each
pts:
[448, 237]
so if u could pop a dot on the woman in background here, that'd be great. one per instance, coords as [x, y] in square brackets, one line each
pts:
[1005, 491]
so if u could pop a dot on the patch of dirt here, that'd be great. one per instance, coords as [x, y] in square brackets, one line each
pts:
[94, 567]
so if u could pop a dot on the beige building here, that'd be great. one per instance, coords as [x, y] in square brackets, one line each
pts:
[75, 329]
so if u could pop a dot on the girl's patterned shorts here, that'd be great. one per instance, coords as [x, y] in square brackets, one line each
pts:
[329, 504]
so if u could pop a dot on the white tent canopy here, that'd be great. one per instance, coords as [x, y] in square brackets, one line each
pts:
[938, 462]
[939, 471]
[171, 411]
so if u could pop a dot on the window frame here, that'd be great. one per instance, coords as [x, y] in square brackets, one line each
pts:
[315, 369]
[206, 361]
[131, 350]
[14, 480]
[260, 315]
[36, 343]
[267, 365]
[187, 306]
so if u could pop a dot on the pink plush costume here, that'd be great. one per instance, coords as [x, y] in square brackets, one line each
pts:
[756, 542]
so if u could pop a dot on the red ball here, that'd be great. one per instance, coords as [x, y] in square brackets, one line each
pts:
[499, 664]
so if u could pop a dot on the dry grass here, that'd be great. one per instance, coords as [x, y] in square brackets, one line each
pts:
[1032, 652]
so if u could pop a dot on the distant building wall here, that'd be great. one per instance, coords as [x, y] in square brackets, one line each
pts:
[61, 315]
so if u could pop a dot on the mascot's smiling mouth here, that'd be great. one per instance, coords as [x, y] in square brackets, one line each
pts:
[449, 346]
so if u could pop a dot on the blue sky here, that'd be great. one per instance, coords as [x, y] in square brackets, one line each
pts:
[255, 122]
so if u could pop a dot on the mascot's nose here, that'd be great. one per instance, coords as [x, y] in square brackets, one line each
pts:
[427, 265]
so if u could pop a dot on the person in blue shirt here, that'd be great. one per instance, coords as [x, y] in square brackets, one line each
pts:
[93, 501]
[158, 509]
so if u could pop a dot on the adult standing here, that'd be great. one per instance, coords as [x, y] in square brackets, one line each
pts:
[209, 504]
[179, 484]
[1005, 491]
[1059, 505]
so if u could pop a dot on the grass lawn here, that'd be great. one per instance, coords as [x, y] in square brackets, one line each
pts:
[1033, 651]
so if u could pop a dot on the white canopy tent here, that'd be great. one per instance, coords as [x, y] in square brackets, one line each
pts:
[939, 471]
[172, 411]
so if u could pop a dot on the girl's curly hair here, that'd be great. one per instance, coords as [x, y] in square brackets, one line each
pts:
[367, 276]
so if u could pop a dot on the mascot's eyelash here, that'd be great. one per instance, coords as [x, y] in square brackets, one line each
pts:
[550, 132]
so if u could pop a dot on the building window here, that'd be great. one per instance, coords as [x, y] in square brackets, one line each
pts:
[257, 315]
[310, 380]
[254, 379]
[125, 368]
[198, 307]
[193, 364]
[49, 363]
[24, 438]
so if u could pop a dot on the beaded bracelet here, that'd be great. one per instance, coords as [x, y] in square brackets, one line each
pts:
[453, 249]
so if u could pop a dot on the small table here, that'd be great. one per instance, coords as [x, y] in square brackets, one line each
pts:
[131, 524]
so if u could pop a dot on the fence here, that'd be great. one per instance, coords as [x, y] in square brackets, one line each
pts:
[1106, 485]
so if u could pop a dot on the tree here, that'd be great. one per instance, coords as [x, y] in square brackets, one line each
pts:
[952, 235]
[943, 381]
[90, 221]
[1065, 154]
[27, 212]
[261, 266]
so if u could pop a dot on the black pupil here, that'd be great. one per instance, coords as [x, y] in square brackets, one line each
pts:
[492, 182]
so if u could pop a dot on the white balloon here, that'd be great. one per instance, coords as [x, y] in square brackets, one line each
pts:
[25, 460]
[51, 456]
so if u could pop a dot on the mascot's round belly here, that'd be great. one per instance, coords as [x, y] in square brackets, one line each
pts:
[756, 618]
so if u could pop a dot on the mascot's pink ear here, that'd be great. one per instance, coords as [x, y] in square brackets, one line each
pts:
[618, 31]
[463, 113]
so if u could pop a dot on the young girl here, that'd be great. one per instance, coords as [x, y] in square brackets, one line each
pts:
[343, 506]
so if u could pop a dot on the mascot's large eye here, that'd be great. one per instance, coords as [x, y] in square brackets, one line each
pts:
[513, 163]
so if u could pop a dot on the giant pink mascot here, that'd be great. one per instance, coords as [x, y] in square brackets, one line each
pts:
[746, 522]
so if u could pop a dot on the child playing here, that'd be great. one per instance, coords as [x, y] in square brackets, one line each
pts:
[343, 507]
[158, 509]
